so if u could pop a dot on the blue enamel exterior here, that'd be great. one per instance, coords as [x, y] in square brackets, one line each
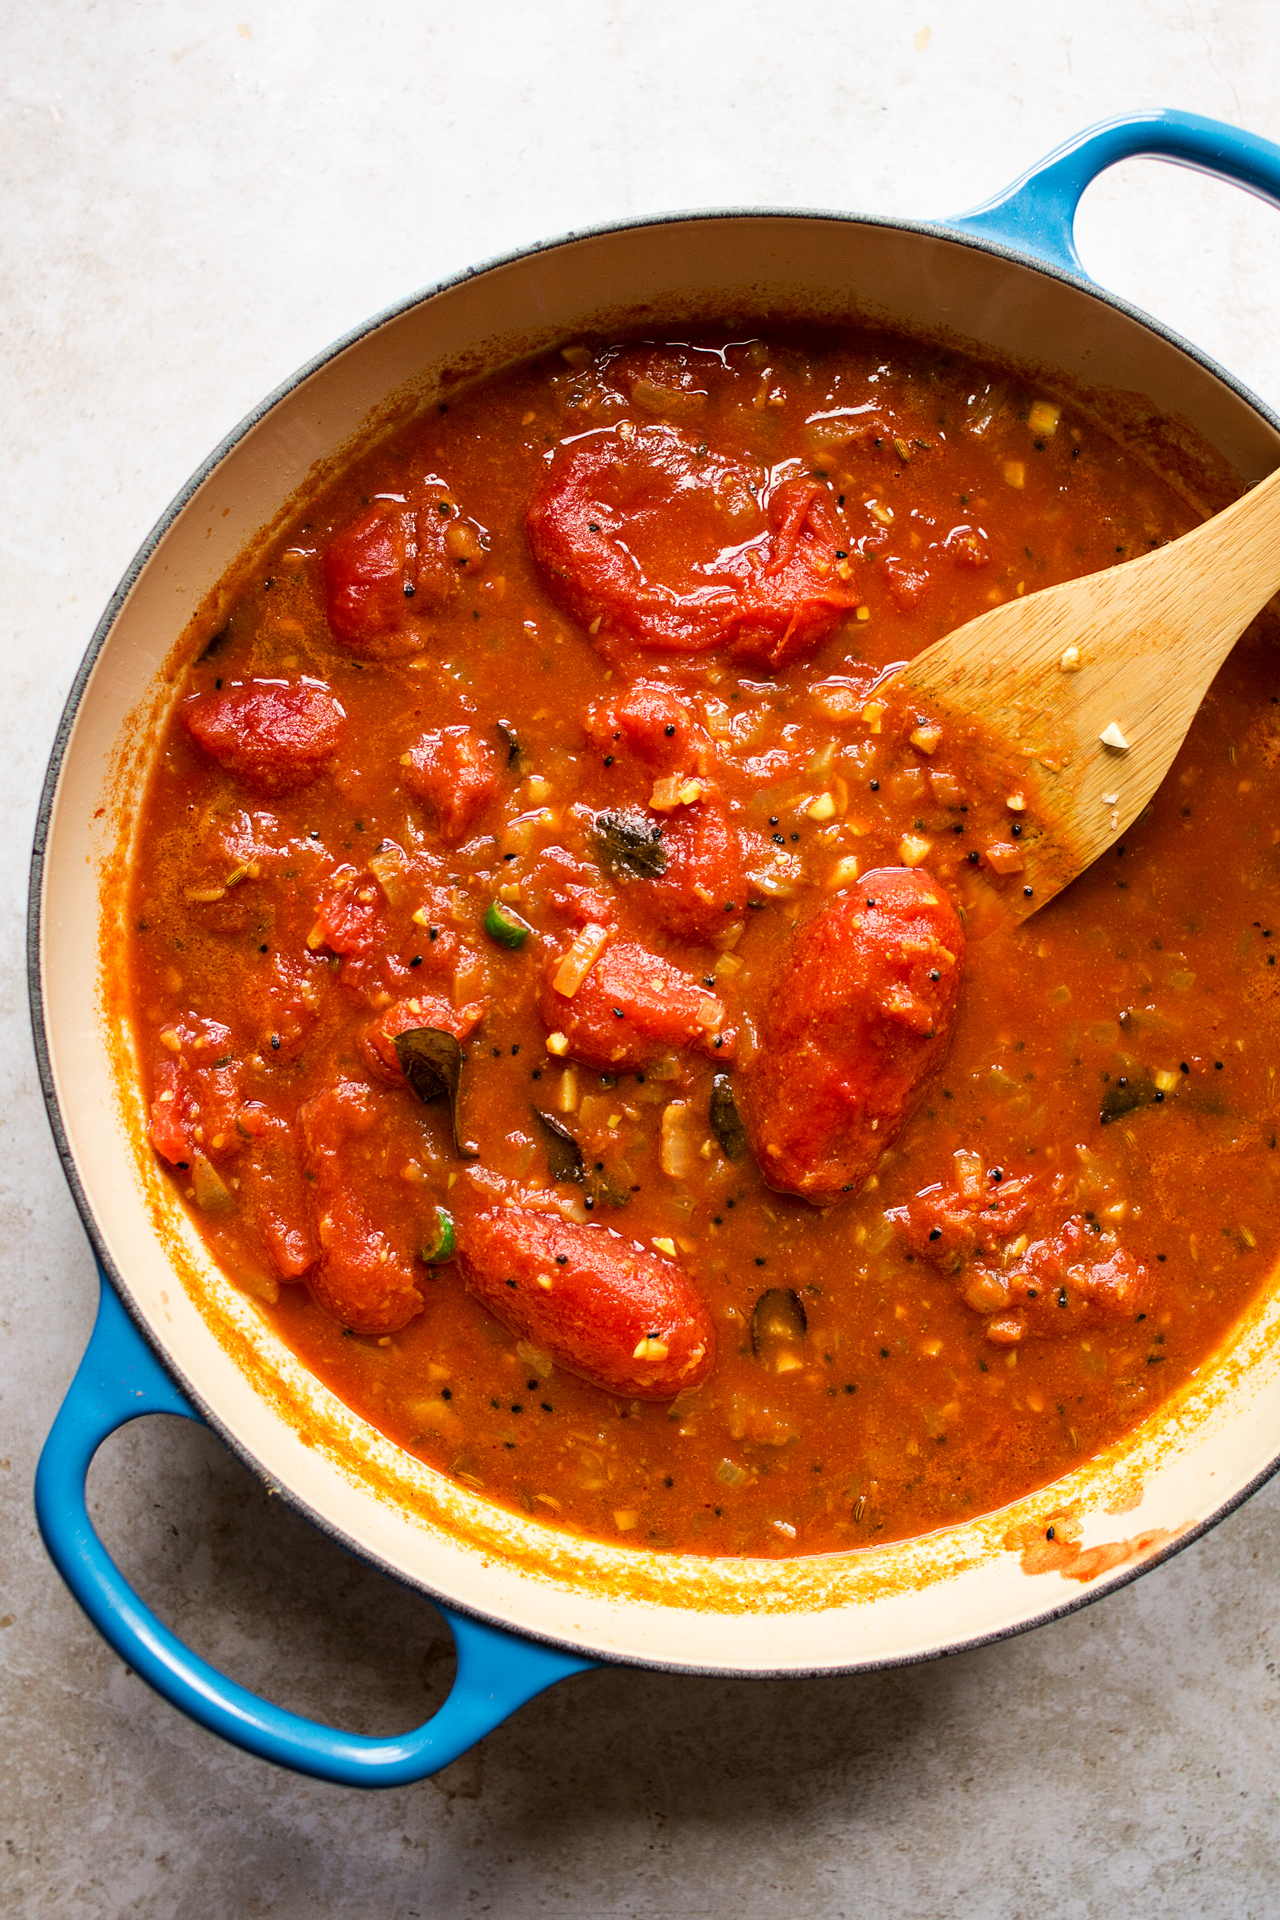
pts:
[1036, 215]
[118, 1380]
[120, 1377]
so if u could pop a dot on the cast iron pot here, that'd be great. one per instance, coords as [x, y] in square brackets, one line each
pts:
[527, 1605]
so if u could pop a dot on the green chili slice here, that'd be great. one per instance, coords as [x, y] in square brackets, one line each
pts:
[507, 928]
[441, 1243]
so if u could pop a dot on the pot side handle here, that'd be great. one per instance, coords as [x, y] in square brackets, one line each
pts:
[119, 1379]
[1037, 213]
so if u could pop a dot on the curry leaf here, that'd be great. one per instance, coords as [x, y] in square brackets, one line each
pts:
[779, 1320]
[565, 1162]
[431, 1061]
[628, 845]
[217, 643]
[1127, 1095]
[564, 1155]
[726, 1123]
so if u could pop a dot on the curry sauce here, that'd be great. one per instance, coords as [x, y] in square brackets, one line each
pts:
[534, 848]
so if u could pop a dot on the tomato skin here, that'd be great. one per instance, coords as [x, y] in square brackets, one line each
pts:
[590, 1299]
[455, 774]
[767, 597]
[276, 736]
[365, 1282]
[854, 1026]
[632, 1009]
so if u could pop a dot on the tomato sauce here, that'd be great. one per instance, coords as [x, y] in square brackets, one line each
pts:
[586, 1012]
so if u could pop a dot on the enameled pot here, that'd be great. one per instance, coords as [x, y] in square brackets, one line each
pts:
[528, 1605]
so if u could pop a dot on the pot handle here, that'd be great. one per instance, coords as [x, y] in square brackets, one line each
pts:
[120, 1378]
[1037, 213]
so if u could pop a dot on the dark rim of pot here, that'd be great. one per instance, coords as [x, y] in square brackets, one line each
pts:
[931, 230]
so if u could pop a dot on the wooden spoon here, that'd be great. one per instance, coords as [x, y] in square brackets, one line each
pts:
[1092, 684]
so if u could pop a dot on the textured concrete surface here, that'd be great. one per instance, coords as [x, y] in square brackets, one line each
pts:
[198, 195]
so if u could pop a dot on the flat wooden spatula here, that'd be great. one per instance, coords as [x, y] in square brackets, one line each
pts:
[1093, 684]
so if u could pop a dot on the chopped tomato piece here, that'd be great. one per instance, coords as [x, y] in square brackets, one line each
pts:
[274, 1192]
[968, 546]
[651, 539]
[353, 921]
[1030, 1276]
[631, 1009]
[704, 889]
[170, 1112]
[906, 584]
[194, 1109]
[276, 735]
[947, 1227]
[367, 568]
[196, 1092]
[583, 905]
[378, 1042]
[395, 563]
[857, 1019]
[350, 918]
[649, 720]
[1082, 1259]
[291, 1242]
[673, 385]
[456, 774]
[626, 1319]
[280, 998]
[362, 1278]
[571, 887]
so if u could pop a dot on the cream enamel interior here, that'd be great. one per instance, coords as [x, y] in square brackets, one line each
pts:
[879, 1605]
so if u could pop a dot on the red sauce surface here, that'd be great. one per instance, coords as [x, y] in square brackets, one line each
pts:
[794, 1198]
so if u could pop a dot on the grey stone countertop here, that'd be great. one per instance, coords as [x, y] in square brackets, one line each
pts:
[197, 196]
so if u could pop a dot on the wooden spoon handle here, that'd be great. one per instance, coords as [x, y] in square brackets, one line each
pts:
[1223, 571]
[1093, 684]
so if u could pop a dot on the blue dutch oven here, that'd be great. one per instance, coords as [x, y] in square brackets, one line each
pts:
[528, 1605]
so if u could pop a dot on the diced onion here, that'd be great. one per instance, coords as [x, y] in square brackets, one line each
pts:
[650, 1349]
[1005, 856]
[970, 1172]
[388, 870]
[926, 738]
[580, 958]
[677, 1150]
[843, 873]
